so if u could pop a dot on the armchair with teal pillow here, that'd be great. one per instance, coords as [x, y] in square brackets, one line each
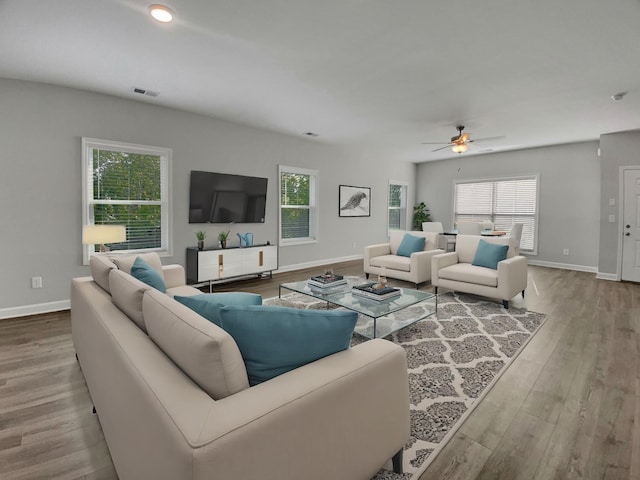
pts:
[489, 267]
[406, 256]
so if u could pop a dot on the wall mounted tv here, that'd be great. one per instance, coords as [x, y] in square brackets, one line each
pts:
[225, 198]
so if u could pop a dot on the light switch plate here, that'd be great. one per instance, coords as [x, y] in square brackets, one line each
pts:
[612, 218]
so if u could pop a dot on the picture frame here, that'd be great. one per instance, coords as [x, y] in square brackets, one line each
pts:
[354, 201]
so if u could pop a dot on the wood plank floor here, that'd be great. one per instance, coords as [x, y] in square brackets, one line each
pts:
[568, 408]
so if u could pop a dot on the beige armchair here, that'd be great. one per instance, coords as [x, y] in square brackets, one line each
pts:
[455, 270]
[415, 268]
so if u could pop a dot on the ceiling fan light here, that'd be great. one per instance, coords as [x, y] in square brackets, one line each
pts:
[161, 13]
[460, 148]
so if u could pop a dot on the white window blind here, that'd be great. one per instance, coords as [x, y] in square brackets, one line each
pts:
[397, 208]
[298, 205]
[503, 202]
[127, 185]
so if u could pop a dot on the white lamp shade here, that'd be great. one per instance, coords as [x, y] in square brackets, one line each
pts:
[100, 234]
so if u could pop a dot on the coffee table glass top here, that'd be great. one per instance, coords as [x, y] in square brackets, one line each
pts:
[373, 309]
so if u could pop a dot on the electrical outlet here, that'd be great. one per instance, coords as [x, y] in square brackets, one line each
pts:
[354, 244]
[565, 251]
[36, 282]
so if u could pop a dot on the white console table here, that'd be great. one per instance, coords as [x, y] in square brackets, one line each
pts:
[224, 264]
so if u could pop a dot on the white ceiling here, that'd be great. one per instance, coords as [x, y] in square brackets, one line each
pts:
[379, 75]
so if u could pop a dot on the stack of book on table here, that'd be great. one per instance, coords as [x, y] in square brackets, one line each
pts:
[327, 283]
[375, 291]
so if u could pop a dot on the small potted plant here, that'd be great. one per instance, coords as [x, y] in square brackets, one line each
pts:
[222, 236]
[201, 236]
[420, 215]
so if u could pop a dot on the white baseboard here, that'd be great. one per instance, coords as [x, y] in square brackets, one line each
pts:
[564, 266]
[608, 276]
[37, 309]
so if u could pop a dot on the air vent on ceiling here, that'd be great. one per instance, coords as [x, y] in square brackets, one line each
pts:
[142, 91]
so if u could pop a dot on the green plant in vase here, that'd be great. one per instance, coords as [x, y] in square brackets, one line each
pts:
[201, 236]
[222, 236]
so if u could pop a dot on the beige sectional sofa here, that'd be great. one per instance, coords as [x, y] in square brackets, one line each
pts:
[416, 268]
[171, 393]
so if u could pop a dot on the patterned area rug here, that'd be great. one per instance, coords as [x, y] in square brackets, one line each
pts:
[454, 357]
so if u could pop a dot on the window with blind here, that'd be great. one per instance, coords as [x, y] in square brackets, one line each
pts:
[126, 184]
[298, 205]
[503, 202]
[397, 208]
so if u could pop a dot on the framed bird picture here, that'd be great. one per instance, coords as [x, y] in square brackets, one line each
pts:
[354, 201]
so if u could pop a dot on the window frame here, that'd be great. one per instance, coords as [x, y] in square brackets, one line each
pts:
[166, 207]
[313, 206]
[403, 218]
[535, 216]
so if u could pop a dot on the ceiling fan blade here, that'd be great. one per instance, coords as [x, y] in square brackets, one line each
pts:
[435, 143]
[441, 148]
[487, 138]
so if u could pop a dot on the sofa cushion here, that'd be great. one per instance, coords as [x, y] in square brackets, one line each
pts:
[466, 246]
[127, 292]
[209, 304]
[100, 266]
[125, 262]
[204, 352]
[489, 254]
[396, 237]
[147, 274]
[183, 291]
[410, 244]
[393, 262]
[467, 273]
[274, 340]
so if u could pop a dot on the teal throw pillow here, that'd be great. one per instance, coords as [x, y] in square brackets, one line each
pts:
[208, 305]
[489, 254]
[274, 340]
[147, 274]
[410, 244]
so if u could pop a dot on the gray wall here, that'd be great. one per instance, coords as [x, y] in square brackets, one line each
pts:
[569, 196]
[616, 150]
[41, 127]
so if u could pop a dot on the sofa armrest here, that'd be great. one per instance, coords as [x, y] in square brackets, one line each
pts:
[371, 251]
[421, 264]
[174, 275]
[354, 401]
[439, 261]
[512, 275]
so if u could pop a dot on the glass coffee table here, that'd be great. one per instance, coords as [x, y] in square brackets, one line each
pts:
[378, 318]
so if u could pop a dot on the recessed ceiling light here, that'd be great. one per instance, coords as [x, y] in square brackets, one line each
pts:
[618, 96]
[161, 13]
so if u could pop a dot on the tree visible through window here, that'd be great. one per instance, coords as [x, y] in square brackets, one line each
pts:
[128, 185]
[397, 212]
[298, 212]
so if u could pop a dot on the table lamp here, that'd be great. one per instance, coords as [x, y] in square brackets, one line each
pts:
[101, 234]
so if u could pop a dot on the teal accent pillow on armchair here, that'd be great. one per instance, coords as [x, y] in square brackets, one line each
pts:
[489, 254]
[410, 244]
[147, 274]
[274, 340]
[208, 305]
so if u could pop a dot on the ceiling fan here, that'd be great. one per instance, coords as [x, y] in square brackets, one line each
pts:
[459, 143]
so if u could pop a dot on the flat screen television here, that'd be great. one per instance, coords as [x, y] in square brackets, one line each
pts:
[225, 198]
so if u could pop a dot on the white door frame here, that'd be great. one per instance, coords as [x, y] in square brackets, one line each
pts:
[623, 169]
